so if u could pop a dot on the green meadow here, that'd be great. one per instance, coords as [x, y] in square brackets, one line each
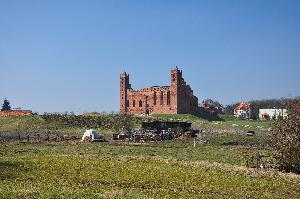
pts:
[169, 169]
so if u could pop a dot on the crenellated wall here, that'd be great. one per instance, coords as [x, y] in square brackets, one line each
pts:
[177, 98]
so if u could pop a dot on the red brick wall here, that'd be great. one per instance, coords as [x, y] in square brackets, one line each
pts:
[150, 104]
[177, 98]
[15, 113]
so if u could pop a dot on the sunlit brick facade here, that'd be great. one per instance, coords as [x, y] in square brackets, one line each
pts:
[174, 99]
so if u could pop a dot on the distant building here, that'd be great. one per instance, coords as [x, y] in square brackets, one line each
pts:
[242, 110]
[16, 113]
[174, 99]
[209, 109]
[269, 114]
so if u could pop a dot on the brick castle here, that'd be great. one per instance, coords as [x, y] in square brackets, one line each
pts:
[175, 99]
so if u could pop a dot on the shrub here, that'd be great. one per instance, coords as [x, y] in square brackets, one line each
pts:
[6, 105]
[286, 138]
[123, 123]
[118, 122]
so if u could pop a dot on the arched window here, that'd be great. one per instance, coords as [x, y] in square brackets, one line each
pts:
[168, 98]
[161, 98]
[133, 103]
[140, 103]
[154, 98]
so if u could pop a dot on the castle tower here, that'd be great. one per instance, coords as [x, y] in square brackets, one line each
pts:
[176, 81]
[124, 85]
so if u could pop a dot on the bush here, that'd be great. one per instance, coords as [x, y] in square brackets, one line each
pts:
[6, 105]
[286, 138]
[118, 122]
[123, 123]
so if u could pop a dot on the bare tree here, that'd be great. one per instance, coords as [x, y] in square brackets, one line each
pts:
[124, 123]
[286, 137]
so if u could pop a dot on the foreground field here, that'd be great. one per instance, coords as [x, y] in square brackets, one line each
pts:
[223, 168]
[131, 170]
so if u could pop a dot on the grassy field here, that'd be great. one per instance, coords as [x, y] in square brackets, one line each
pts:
[133, 170]
[218, 123]
[170, 169]
[234, 125]
[36, 124]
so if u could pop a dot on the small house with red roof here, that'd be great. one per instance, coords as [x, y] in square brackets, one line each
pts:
[243, 110]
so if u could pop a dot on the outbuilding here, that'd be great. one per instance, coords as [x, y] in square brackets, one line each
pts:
[269, 114]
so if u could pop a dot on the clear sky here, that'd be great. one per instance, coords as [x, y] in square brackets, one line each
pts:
[66, 55]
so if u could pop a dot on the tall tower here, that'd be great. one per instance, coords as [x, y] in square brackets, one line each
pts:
[176, 81]
[124, 85]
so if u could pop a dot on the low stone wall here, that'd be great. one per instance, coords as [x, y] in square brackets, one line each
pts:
[15, 113]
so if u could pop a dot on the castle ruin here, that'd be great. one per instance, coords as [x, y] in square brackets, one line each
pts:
[175, 99]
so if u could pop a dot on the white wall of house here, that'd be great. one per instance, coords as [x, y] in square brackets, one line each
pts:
[273, 113]
[245, 114]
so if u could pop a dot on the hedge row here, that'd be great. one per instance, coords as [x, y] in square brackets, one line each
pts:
[102, 121]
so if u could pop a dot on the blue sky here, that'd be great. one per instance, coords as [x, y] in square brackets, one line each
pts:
[63, 55]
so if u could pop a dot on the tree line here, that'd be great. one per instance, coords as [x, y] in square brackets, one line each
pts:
[254, 104]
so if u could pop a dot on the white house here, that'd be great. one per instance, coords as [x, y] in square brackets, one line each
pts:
[242, 111]
[269, 114]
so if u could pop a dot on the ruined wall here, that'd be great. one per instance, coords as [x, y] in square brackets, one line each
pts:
[15, 113]
[186, 101]
[154, 100]
[124, 87]
[177, 98]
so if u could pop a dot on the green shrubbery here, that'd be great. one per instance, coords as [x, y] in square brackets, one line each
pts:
[6, 105]
[110, 121]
